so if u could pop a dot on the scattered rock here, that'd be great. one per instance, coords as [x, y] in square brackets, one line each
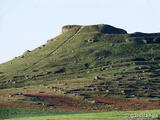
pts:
[10, 95]
[122, 91]
[126, 40]
[14, 82]
[97, 78]
[144, 41]
[107, 91]
[27, 77]
[26, 52]
[65, 83]
[102, 68]
[19, 94]
[92, 40]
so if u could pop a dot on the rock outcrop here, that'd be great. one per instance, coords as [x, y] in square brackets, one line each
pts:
[68, 27]
[102, 28]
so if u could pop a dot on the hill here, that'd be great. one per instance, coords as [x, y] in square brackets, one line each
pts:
[87, 62]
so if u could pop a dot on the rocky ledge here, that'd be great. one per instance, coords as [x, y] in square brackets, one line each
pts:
[103, 28]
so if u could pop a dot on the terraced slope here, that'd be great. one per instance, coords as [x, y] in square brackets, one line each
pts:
[90, 61]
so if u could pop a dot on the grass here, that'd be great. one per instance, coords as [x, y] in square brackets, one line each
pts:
[8, 113]
[52, 115]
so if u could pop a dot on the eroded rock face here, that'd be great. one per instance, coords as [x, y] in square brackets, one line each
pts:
[67, 28]
[103, 28]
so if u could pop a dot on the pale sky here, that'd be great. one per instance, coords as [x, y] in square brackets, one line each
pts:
[27, 24]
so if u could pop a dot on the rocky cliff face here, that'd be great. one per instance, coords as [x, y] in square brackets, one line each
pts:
[103, 28]
[68, 27]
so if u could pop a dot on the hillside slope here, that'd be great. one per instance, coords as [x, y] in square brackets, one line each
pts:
[90, 61]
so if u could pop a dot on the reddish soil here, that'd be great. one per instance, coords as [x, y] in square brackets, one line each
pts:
[60, 102]
[129, 104]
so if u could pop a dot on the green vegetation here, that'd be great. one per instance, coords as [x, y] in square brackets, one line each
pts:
[52, 115]
[6, 113]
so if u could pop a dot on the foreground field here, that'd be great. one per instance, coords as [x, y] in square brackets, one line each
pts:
[89, 116]
[22, 114]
